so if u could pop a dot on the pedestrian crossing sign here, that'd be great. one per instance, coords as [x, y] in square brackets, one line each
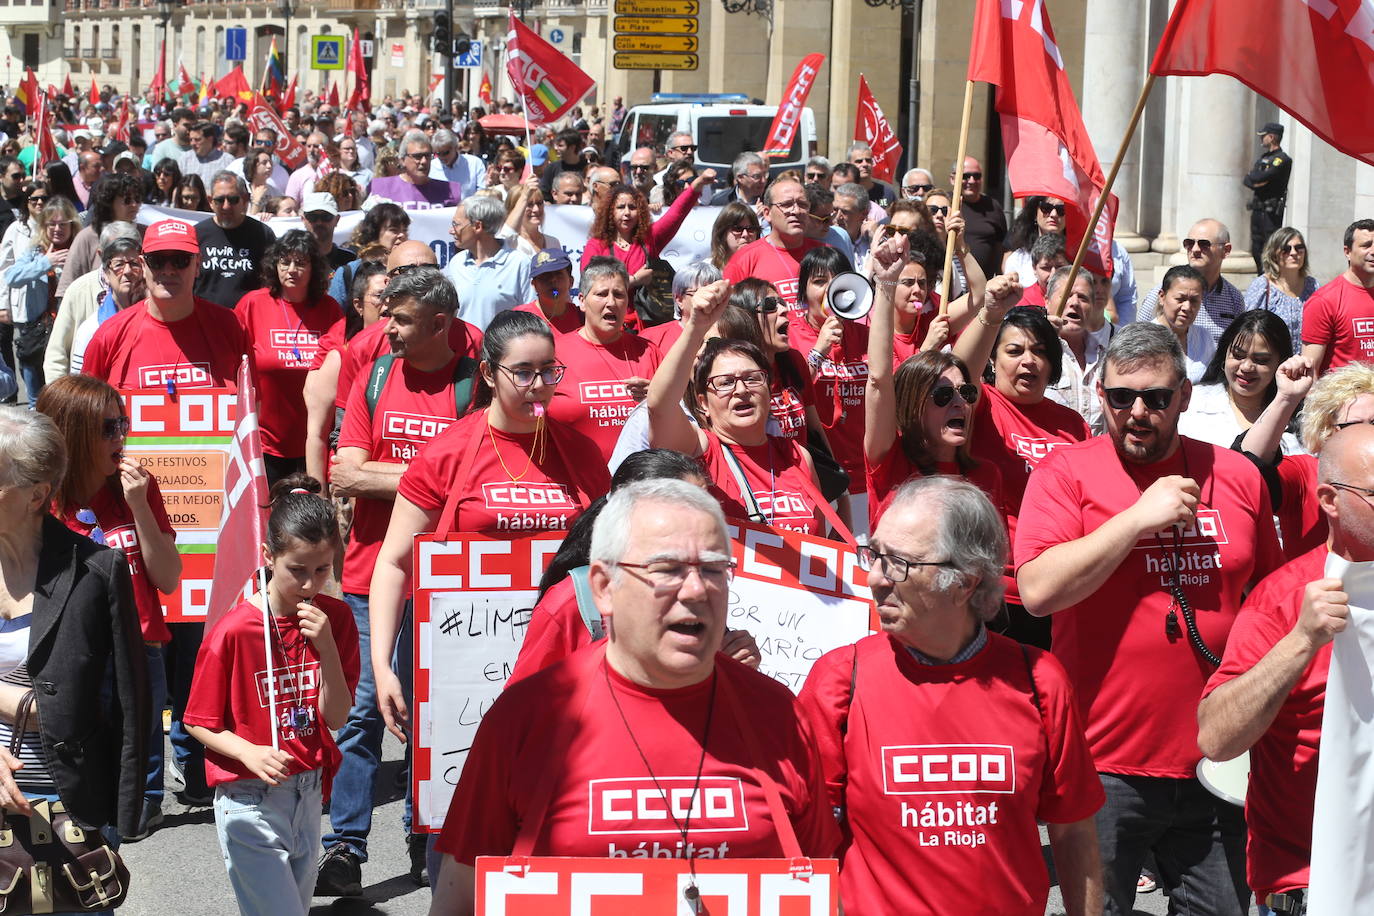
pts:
[326, 52]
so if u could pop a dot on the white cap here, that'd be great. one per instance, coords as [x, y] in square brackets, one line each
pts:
[320, 201]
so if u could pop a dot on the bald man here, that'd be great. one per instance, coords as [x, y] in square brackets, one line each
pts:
[599, 182]
[1207, 244]
[1268, 695]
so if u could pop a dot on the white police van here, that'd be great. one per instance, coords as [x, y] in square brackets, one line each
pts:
[724, 126]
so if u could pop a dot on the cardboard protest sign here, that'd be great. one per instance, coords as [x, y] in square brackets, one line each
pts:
[185, 442]
[554, 886]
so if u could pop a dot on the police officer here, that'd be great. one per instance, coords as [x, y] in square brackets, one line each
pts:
[1268, 178]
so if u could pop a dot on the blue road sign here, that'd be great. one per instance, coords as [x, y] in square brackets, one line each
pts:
[235, 44]
[471, 59]
[556, 36]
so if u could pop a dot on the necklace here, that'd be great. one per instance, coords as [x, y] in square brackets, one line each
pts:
[536, 446]
[691, 894]
[294, 332]
[297, 715]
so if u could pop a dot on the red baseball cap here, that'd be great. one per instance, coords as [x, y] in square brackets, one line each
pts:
[171, 235]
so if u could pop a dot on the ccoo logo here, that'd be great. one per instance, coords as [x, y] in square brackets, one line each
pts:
[632, 806]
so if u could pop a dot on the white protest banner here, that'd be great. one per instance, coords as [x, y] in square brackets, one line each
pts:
[799, 597]
[566, 886]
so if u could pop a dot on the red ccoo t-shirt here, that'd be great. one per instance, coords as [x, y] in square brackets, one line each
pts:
[371, 342]
[135, 350]
[838, 390]
[592, 397]
[1340, 317]
[779, 266]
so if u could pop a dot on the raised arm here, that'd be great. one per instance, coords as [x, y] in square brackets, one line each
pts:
[974, 346]
[1294, 379]
[667, 225]
[880, 401]
[669, 427]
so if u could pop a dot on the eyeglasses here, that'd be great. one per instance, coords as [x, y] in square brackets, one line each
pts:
[1046, 208]
[668, 575]
[891, 230]
[894, 567]
[524, 378]
[725, 384]
[319, 216]
[937, 210]
[941, 396]
[687, 148]
[1293, 249]
[971, 176]
[38, 198]
[1363, 492]
[420, 157]
[1154, 398]
[790, 205]
[918, 188]
[505, 169]
[641, 168]
[232, 200]
[768, 305]
[744, 229]
[114, 428]
[1200, 244]
[119, 265]
[404, 268]
[176, 260]
[813, 177]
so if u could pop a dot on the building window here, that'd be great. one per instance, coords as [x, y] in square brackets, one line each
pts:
[30, 53]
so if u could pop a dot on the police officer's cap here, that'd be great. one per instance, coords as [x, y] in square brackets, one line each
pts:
[1271, 128]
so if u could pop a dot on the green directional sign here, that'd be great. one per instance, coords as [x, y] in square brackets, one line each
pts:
[672, 44]
[656, 25]
[655, 61]
[657, 7]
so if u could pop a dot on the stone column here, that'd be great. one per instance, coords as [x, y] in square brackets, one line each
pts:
[1114, 67]
[1327, 191]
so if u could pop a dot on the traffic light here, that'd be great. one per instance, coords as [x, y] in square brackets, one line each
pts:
[441, 39]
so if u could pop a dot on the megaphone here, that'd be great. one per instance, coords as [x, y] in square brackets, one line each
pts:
[850, 296]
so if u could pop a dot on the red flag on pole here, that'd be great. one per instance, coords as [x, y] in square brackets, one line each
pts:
[783, 131]
[185, 85]
[238, 554]
[157, 89]
[360, 99]
[47, 146]
[121, 130]
[333, 94]
[28, 92]
[1048, 150]
[289, 149]
[872, 128]
[1312, 58]
[547, 81]
[95, 92]
[434, 80]
[67, 89]
[483, 91]
[234, 86]
[52, 93]
[288, 98]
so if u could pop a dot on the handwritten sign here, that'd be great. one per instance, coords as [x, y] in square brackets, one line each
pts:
[473, 598]
[184, 442]
[554, 886]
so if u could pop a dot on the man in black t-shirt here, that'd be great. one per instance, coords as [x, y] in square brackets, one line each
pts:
[985, 225]
[232, 244]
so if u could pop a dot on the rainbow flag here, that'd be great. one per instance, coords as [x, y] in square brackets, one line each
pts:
[273, 79]
[548, 82]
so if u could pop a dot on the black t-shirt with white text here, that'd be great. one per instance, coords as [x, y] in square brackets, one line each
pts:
[229, 259]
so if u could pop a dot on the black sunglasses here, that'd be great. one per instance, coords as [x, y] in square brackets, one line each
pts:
[177, 260]
[1125, 398]
[404, 268]
[918, 188]
[1047, 208]
[941, 396]
[318, 216]
[768, 305]
[937, 210]
[114, 427]
[1202, 244]
[232, 200]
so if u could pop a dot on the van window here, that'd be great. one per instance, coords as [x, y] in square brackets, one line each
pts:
[720, 140]
[654, 130]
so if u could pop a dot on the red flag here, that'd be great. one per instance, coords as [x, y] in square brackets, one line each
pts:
[434, 80]
[234, 86]
[121, 131]
[288, 99]
[1048, 150]
[67, 89]
[547, 81]
[52, 93]
[1312, 58]
[94, 95]
[483, 91]
[360, 99]
[289, 150]
[783, 130]
[28, 92]
[185, 85]
[157, 89]
[333, 99]
[872, 128]
[238, 554]
[47, 147]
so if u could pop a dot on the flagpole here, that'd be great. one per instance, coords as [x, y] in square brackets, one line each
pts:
[266, 609]
[958, 195]
[1091, 230]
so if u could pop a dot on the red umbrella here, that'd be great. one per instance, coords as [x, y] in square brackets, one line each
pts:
[504, 124]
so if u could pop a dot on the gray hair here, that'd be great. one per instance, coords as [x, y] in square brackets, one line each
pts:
[224, 175]
[119, 237]
[611, 533]
[818, 162]
[415, 137]
[577, 176]
[446, 138]
[426, 285]
[1058, 278]
[746, 159]
[856, 146]
[854, 192]
[31, 449]
[603, 268]
[969, 536]
[1144, 343]
[910, 172]
[487, 212]
[698, 273]
[680, 133]
[1047, 245]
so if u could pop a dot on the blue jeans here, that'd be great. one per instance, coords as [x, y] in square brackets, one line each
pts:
[157, 688]
[1197, 839]
[268, 835]
[189, 753]
[360, 742]
[32, 374]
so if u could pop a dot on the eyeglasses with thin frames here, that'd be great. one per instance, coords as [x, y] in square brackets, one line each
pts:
[894, 567]
[524, 378]
[669, 575]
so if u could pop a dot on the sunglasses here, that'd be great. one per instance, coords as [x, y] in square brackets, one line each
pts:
[941, 396]
[918, 188]
[232, 200]
[1293, 249]
[114, 427]
[1046, 208]
[318, 216]
[38, 198]
[1201, 244]
[768, 305]
[890, 230]
[744, 230]
[420, 157]
[1125, 398]
[937, 210]
[691, 148]
[812, 177]
[176, 260]
[403, 268]
[972, 176]
[641, 168]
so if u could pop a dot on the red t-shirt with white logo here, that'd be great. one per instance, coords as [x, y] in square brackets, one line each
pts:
[566, 323]
[135, 350]
[604, 801]
[789, 394]
[506, 492]
[943, 773]
[115, 519]
[776, 473]
[1340, 317]
[230, 689]
[1017, 437]
[779, 266]
[283, 340]
[838, 390]
[412, 409]
[1134, 680]
[371, 342]
[1283, 762]
[592, 397]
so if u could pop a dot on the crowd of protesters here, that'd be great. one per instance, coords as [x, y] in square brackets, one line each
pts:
[1094, 512]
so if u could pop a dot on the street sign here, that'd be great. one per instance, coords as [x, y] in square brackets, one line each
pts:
[676, 44]
[398, 54]
[657, 7]
[365, 45]
[236, 44]
[556, 36]
[656, 25]
[326, 52]
[655, 61]
[472, 59]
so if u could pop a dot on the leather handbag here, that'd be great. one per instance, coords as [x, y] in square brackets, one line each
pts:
[48, 862]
